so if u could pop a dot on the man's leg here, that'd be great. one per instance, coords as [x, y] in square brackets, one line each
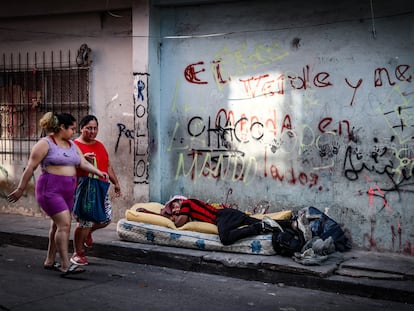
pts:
[228, 223]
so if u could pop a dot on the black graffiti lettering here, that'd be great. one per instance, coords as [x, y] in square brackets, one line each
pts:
[399, 177]
[140, 168]
[236, 125]
[191, 129]
[261, 127]
[140, 111]
[350, 173]
[224, 135]
[122, 130]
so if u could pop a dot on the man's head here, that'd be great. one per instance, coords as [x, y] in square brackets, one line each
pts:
[172, 211]
[168, 206]
[175, 206]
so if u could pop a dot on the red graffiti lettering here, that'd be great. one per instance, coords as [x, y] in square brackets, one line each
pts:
[270, 123]
[320, 80]
[251, 88]
[304, 179]
[245, 123]
[378, 77]
[287, 123]
[347, 126]
[313, 180]
[274, 172]
[324, 124]
[190, 73]
[400, 73]
[267, 88]
[229, 118]
[292, 179]
[354, 87]
[218, 76]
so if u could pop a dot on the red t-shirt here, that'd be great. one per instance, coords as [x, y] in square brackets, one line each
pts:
[101, 156]
[198, 210]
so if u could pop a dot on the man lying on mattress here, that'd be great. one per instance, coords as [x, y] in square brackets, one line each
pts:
[232, 224]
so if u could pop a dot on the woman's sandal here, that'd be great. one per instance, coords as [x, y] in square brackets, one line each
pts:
[73, 269]
[54, 267]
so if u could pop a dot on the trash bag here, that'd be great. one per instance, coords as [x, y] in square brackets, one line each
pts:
[287, 242]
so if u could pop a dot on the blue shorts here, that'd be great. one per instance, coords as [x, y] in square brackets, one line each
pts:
[55, 193]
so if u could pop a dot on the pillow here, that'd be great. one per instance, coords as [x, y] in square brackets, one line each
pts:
[149, 219]
[199, 226]
[151, 206]
[277, 216]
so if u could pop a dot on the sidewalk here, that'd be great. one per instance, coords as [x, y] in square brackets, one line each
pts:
[376, 275]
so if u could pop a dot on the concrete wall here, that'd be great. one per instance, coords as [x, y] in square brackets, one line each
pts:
[111, 86]
[287, 104]
[266, 105]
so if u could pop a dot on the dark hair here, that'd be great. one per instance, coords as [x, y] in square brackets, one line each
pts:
[66, 119]
[51, 122]
[86, 119]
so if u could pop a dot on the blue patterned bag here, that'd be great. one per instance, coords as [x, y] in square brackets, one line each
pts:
[90, 199]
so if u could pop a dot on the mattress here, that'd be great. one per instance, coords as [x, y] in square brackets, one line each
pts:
[147, 233]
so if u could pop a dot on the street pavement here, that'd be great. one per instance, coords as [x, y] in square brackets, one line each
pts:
[116, 285]
[386, 276]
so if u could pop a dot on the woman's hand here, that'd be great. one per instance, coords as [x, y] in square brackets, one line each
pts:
[117, 189]
[90, 156]
[15, 195]
[104, 176]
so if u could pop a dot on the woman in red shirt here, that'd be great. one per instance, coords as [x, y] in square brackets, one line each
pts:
[95, 152]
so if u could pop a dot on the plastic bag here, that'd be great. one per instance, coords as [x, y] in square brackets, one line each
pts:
[90, 199]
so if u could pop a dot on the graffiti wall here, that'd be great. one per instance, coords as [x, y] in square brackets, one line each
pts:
[267, 109]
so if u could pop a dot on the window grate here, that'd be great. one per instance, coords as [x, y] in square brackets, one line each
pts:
[30, 89]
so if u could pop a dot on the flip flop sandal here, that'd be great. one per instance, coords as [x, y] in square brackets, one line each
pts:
[73, 269]
[54, 267]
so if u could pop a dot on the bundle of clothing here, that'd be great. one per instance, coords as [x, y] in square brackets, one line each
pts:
[310, 237]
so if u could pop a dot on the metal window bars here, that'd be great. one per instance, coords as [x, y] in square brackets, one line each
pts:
[28, 89]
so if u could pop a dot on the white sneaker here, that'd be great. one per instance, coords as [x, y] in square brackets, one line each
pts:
[304, 227]
[269, 222]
